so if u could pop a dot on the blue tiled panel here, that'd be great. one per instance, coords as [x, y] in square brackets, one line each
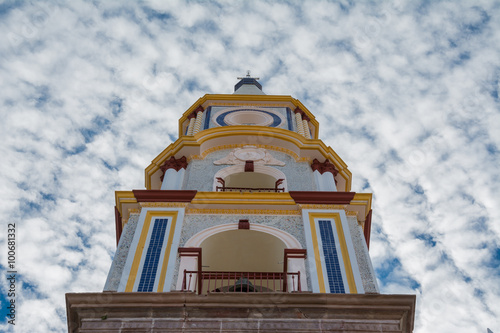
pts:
[289, 118]
[207, 118]
[331, 258]
[220, 118]
[152, 256]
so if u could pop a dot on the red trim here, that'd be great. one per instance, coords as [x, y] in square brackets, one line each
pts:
[244, 224]
[368, 228]
[322, 197]
[164, 195]
[195, 112]
[248, 166]
[326, 166]
[298, 110]
[173, 163]
[118, 225]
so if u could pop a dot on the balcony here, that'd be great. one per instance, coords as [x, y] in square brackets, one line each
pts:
[206, 282]
[224, 188]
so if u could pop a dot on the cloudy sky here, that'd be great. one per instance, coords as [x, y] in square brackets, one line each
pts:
[406, 92]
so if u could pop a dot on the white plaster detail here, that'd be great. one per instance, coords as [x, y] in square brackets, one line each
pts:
[191, 127]
[325, 181]
[307, 132]
[249, 153]
[197, 123]
[172, 180]
[248, 118]
[300, 126]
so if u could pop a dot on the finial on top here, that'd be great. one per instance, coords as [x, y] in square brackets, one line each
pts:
[248, 76]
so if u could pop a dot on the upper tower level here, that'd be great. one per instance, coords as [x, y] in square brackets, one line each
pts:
[249, 118]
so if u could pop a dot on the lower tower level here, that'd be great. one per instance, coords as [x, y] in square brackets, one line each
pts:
[247, 224]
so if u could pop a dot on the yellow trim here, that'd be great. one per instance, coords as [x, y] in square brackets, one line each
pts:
[122, 197]
[343, 246]
[166, 257]
[363, 199]
[142, 241]
[194, 211]
[238, 198]
[212, 99]
[164, 204]
[317, 256]
[302, 144]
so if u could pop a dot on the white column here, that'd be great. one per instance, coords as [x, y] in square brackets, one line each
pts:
[325, 181]
[297, 265]
[188, 264]
[305, 125]
[197, 123]
[298, 118]
[191, 127]
[172, 180]
[328, 182]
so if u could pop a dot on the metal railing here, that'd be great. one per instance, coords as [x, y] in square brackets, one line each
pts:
[225, 188]
[205, 282]
[248, 189]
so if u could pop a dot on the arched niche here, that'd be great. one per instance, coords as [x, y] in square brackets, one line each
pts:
[262, 176]
[259, 249]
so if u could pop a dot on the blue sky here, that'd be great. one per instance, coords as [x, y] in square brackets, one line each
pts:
[406, 92]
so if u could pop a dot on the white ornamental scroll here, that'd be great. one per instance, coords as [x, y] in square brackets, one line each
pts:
[259, 156]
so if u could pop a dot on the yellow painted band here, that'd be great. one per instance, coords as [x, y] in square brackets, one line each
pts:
[164, 266]
[317, 257]
[219, 132]
[345, 255]
[343, 246]
[140, 246]
[241, 99]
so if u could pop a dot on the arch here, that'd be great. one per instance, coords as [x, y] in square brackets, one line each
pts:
[190, 263]
[270, 171]
[290, 241]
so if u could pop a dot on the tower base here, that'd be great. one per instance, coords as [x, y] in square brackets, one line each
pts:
[239, 312]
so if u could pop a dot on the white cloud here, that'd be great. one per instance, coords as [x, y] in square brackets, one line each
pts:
[406, 93]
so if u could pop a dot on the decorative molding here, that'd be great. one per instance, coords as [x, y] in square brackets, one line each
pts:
[173, 163]
[313, 206]
[134, 211]
[164, 195]
[326, 166]
[196, 211]
[257, 104]
[322, 197]
[267, 147]
[249, 153]
[164, 204]
[351, 213]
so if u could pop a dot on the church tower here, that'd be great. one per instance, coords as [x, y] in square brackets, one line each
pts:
[247, 224]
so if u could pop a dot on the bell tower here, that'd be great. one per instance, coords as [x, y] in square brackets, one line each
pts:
[247, 223]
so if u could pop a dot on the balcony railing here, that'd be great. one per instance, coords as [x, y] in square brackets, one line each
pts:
[224, 188]
[205, 282]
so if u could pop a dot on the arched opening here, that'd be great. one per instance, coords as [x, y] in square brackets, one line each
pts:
[235, 260]
[243, 250]
[250, 180]
[262, 179]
